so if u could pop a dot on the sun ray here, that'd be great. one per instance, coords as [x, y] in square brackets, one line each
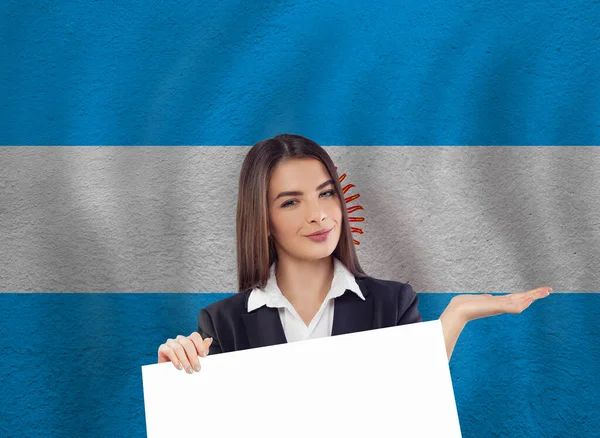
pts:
[351, 198]
[353, 208]
[347, 187]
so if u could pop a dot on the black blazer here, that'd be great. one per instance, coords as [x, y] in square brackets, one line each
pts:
[232, 327]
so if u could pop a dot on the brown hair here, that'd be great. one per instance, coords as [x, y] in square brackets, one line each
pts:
[255, 250]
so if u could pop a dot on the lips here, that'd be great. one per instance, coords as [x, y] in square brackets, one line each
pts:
[320, 233]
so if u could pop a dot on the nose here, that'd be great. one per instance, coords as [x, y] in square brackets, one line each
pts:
[316, 214]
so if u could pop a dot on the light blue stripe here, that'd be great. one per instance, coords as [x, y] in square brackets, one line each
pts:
[341, 72]
[71, 364]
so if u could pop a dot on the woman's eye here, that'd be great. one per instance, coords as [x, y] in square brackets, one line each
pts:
[292, 202]
[288, 203]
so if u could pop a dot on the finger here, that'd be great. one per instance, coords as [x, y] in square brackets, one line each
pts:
[190, 351]
[166, 354]
[208, 342]
[540, 292]
[525, 303]
[520, 298]
[201, 349]
[516, 303]
[181, 354]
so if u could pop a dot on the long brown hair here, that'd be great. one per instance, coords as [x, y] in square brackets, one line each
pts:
[255, 250]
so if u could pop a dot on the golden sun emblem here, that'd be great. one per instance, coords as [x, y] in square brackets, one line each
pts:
[353, 208]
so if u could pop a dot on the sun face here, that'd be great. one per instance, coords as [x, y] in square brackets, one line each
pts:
[351, 209]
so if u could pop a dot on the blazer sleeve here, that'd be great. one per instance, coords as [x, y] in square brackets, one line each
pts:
[408, 302]
[207, 330]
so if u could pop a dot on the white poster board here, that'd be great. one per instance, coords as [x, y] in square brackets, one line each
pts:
[390, 382]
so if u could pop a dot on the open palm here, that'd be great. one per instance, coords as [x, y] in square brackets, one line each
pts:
[473, 307]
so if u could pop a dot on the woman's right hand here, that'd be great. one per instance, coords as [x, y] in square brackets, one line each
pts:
[183, 351]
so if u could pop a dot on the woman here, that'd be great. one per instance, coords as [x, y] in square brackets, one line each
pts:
[298, 273]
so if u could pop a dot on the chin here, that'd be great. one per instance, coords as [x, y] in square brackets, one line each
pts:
[314, 257]
[318, 251]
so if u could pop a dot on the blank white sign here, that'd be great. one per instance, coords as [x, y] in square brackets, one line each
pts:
[390, 382]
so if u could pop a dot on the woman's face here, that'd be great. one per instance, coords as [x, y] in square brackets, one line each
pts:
[302, 200]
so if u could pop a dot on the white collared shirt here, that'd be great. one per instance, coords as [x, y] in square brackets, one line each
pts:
[293, 326]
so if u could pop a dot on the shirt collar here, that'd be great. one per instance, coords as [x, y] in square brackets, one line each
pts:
[271, 295]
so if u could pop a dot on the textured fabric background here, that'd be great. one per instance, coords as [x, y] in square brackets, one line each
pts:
[467, 131]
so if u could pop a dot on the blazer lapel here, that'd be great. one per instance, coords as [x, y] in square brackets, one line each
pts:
[263, 327]
[352, 314]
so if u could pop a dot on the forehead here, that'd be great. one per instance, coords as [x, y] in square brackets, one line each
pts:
[303, 174]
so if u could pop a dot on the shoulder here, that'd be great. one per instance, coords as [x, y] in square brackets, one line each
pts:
[222, 321]
[392, 296]
[384, 289]
[234, 304]
[221, 317]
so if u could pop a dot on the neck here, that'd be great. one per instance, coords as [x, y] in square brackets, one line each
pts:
[304, 283]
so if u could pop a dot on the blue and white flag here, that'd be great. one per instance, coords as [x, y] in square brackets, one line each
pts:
[464, 133]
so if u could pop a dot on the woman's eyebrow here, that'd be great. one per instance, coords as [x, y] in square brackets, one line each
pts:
[296, 193]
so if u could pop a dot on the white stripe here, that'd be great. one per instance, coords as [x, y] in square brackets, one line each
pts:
[445, 219]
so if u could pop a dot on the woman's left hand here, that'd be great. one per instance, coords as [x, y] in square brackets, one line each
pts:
[465, 308]
[471, 307]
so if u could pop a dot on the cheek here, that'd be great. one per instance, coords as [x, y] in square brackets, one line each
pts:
[336, 213]
[281, 224]
[274, 221]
